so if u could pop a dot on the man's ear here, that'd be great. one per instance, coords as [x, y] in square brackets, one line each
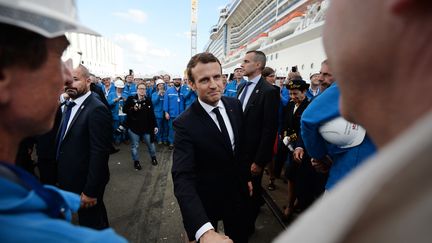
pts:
[5, 85]
[88, 82]
[192, 85]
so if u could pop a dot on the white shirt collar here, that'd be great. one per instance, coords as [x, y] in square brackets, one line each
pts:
[256, 79]
[208, 108]
[78, 101]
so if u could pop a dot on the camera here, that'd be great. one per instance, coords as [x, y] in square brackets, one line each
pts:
[121, 129]
[294, 69]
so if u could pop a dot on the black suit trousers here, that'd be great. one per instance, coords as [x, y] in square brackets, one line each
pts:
[234, 220]
[94, 217]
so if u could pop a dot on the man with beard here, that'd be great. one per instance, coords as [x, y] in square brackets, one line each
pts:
[339, 160]
[174, 104]
[83, 143]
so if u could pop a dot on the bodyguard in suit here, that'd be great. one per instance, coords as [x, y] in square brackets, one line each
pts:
[210, 183]
[83, 149]
[260, 102]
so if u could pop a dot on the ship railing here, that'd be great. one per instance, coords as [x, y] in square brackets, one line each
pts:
[315, 13]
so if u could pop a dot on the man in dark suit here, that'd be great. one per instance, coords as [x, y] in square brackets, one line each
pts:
[210, 183]
[260, 101]
[83, 149]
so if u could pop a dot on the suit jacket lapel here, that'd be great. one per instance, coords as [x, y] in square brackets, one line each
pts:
[254, 95]
[80, 109]
[240, 88]
[233, 121]
[208, 122]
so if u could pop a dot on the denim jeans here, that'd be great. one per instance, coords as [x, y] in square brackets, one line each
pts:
[171, 130]
[162, 135]
[119, 137]
[135, 140]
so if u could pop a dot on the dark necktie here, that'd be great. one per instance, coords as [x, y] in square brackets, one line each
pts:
[66, 117]
[243, 95]
[222, 126]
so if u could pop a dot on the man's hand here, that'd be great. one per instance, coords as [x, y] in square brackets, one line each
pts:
[65, 96]
[136, 107]
[322, 166]
[298, 154]
[213, 236]
[286, 140]
[250, 188]
[255, 169]
[167, 116]
[87, 202]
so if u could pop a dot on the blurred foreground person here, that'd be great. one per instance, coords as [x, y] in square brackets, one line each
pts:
[388, 198]
[30, 53]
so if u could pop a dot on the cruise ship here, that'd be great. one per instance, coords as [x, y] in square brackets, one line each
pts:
[287, 31]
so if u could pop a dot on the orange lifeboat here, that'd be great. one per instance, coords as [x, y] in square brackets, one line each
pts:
[286, 25]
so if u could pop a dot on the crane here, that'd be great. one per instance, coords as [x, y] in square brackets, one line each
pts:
[194, 10]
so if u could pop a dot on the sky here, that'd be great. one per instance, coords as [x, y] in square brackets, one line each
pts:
[154, 34]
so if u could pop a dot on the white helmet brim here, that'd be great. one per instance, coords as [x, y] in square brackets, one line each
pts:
[49, 18]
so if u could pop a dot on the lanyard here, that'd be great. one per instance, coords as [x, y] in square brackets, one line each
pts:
[53, 200]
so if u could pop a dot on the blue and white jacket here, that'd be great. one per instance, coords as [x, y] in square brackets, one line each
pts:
[324, 108]
[174, 102]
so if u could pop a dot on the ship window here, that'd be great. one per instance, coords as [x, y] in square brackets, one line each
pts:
[286, 69]
[303, 67]
[271, 57]
[276, 56]
[312, 65]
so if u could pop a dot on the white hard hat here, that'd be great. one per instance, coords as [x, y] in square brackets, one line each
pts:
[176, 76]
[119, 84]
[159, 81]
[342, 133]
[280, 74]
[46, 17]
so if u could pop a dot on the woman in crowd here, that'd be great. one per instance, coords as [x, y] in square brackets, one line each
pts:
[141, 123]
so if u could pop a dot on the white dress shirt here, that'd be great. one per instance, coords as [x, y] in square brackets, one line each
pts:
[250, 89]
[209, 109]
[78, 102]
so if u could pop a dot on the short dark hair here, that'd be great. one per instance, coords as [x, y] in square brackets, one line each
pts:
[204, 57]
[267, 71]
[259, 57]
[20, 47]
[84, 71]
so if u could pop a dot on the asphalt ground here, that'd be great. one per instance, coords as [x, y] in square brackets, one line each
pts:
[141, 204]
